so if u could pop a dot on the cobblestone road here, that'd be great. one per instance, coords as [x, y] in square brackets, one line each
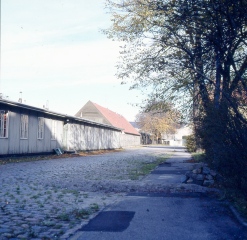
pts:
[50, 199]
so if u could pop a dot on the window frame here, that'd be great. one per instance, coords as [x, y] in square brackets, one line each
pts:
[41, 128]
[4, 123]
[24, 126]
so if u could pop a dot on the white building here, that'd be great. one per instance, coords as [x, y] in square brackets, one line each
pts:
[179, 138]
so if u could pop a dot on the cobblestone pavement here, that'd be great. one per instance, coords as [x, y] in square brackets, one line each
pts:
[50, 199]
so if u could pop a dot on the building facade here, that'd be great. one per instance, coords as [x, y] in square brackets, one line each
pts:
[179, 137]
[26, 129]
[94, 112]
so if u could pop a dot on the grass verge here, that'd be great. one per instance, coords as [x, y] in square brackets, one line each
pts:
[239, 201]
[145, 168]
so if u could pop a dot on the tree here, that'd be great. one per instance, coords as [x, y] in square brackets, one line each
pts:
[158, 118]
[194, 51]
[181, 46]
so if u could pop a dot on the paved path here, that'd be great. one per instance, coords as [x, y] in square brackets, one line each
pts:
[172, 170]
[161, 216]
[168, 216]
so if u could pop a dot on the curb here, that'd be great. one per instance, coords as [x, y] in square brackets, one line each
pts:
[238, 216]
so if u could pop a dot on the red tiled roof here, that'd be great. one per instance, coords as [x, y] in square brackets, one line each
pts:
[117, 120]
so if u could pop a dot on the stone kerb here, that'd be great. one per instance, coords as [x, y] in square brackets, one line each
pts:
[201, 174]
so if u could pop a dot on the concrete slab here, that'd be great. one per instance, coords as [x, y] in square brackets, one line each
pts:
[110, 221]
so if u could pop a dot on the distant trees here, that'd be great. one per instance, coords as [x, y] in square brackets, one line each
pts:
[194, 52]
[158, 118]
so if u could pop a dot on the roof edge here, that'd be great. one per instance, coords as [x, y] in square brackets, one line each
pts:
[45, 111]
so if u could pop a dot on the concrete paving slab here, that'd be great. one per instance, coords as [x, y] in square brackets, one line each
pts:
[110, 221]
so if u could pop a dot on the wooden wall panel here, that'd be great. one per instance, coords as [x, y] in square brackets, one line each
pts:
[14, 133]
[33, 131]
[47, 137]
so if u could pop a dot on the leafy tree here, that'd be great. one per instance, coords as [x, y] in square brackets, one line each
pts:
[194, 53]
[158, 118]
[197, 47]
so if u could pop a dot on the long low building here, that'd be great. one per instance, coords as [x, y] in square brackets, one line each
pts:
[25, 129]
[94, 112]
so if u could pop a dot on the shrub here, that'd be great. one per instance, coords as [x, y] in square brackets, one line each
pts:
[190, 143]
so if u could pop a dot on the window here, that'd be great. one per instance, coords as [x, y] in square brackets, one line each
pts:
[24, 126]
[54, 130]
[3, 124]
[41, 125]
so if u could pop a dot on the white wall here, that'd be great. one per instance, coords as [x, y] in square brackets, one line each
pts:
[69, 136]
[83, 137]
[128, 140]
[14, 145]
[177, 138]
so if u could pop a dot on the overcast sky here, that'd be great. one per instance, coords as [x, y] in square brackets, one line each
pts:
[52, 51]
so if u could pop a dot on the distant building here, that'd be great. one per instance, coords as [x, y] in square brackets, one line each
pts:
[136, 125]
[94, 112]
[176, 139]
[179, 138]
[146, 138]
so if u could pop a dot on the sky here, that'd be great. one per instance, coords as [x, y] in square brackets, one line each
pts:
[54, 53]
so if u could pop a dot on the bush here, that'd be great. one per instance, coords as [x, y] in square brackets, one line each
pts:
[199, 157]
[190, 143]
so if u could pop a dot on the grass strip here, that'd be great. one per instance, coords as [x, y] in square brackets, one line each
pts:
[145, 168]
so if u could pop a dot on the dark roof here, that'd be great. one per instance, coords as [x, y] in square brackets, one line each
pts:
[135, 124]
